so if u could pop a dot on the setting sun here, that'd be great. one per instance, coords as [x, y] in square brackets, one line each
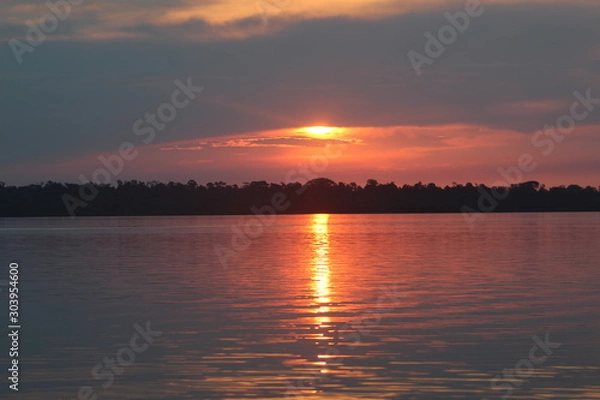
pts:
[319, 130]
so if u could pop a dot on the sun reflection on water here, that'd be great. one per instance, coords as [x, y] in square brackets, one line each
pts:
[320, 270]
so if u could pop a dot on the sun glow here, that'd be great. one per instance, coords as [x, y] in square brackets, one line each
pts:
[319, 130]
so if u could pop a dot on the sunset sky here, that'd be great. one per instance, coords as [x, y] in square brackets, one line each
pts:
[272, 69]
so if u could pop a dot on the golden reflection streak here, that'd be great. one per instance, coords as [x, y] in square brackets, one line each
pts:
[320, 270]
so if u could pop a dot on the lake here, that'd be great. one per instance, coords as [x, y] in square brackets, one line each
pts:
[310, 306]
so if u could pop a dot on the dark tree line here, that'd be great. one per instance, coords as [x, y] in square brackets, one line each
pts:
[317, 196]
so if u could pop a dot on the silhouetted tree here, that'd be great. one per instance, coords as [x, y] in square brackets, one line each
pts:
[318, 195]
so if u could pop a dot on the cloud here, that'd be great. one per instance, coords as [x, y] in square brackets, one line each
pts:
[291, 141]
[512, 70]
[181, 148]
[269, 139]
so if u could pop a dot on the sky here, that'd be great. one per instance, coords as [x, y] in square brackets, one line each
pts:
[223, 90]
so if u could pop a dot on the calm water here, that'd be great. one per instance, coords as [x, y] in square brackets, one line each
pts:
[319, 306]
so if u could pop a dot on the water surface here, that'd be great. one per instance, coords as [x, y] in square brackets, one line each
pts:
[319, 306]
